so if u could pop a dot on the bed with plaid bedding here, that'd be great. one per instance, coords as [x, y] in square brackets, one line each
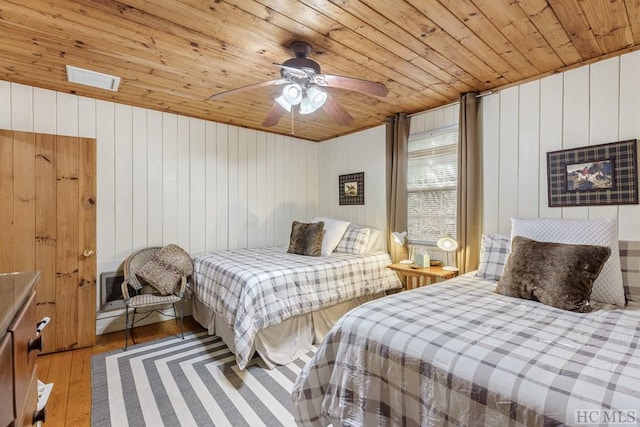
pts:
[252, 289]
[457, 353]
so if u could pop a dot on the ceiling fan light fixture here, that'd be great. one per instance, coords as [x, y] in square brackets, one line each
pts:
[317, 97]
[306, 106]
[292, 93]
[283, 103]
[304, 86]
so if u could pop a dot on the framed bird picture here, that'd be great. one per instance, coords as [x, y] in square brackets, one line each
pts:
[351, 189]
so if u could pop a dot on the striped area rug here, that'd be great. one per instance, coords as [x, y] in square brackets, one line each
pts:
[190, 382]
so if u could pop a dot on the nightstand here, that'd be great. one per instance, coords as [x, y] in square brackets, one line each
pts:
[421, 276]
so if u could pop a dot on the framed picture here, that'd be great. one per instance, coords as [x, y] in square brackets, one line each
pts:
[351, 189]
[591, 176]
[605, 174]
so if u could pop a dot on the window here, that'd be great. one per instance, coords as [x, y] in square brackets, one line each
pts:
[432, 176]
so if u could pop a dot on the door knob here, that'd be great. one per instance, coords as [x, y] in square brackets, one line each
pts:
[88, 252]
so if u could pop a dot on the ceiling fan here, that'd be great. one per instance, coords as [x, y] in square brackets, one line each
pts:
[304, 88]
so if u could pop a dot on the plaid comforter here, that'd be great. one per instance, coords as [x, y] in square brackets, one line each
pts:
[457, 353]
[256, 288]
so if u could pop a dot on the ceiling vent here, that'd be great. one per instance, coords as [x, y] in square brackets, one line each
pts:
[92, 78]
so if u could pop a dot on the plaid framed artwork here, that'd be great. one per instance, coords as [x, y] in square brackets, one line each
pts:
[605, 174]
[351, 189]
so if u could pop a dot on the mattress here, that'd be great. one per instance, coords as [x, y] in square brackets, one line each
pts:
[253, 289]
[457, 353]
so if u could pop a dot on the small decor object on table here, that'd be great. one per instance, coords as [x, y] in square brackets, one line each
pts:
[351, 189]
[422, 259]
[605, 174]
[421, 276]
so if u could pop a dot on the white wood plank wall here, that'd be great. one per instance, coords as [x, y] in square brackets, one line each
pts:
[435, 119]
[359, 152]
[164, 178]
[593, 104]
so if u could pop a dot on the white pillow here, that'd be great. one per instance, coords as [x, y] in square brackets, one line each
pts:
[376, 242]
[333, 231]
[608, 286]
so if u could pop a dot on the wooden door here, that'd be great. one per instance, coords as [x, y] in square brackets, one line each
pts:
[48, 223]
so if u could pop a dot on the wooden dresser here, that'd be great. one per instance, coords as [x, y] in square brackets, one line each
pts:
[19, 347]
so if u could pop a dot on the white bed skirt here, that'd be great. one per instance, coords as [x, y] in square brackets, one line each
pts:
[282, 343]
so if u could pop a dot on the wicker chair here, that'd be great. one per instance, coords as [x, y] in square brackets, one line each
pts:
[146, 297]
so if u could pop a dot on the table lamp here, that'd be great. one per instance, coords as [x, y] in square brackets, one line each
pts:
[448, 244]
[400, 239]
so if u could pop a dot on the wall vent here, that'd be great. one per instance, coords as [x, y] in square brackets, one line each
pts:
[111, 290]
[92, 78]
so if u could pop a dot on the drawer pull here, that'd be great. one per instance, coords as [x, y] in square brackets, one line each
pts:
[39, 415]
[35, 344]
[42, 324]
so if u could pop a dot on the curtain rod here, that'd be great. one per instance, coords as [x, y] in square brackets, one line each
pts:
[480, 95]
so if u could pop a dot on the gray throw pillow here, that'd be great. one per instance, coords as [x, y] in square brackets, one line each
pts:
[306, 238]
[556, 274]
[354, 241]
[165, 270]
[630, 264]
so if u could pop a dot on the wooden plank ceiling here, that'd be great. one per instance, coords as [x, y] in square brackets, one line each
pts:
[173, 55]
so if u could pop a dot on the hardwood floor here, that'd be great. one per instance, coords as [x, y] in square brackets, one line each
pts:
[70, 371]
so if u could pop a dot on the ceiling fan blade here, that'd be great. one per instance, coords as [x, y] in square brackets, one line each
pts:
[349, 83]
[251, 86]
[274, 115]
[337, 112]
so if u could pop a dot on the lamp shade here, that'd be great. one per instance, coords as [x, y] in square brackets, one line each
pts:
[306, 107]
[447, 244]
[317, 97]
[399, 237]
[292, 93]
[283, 103]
